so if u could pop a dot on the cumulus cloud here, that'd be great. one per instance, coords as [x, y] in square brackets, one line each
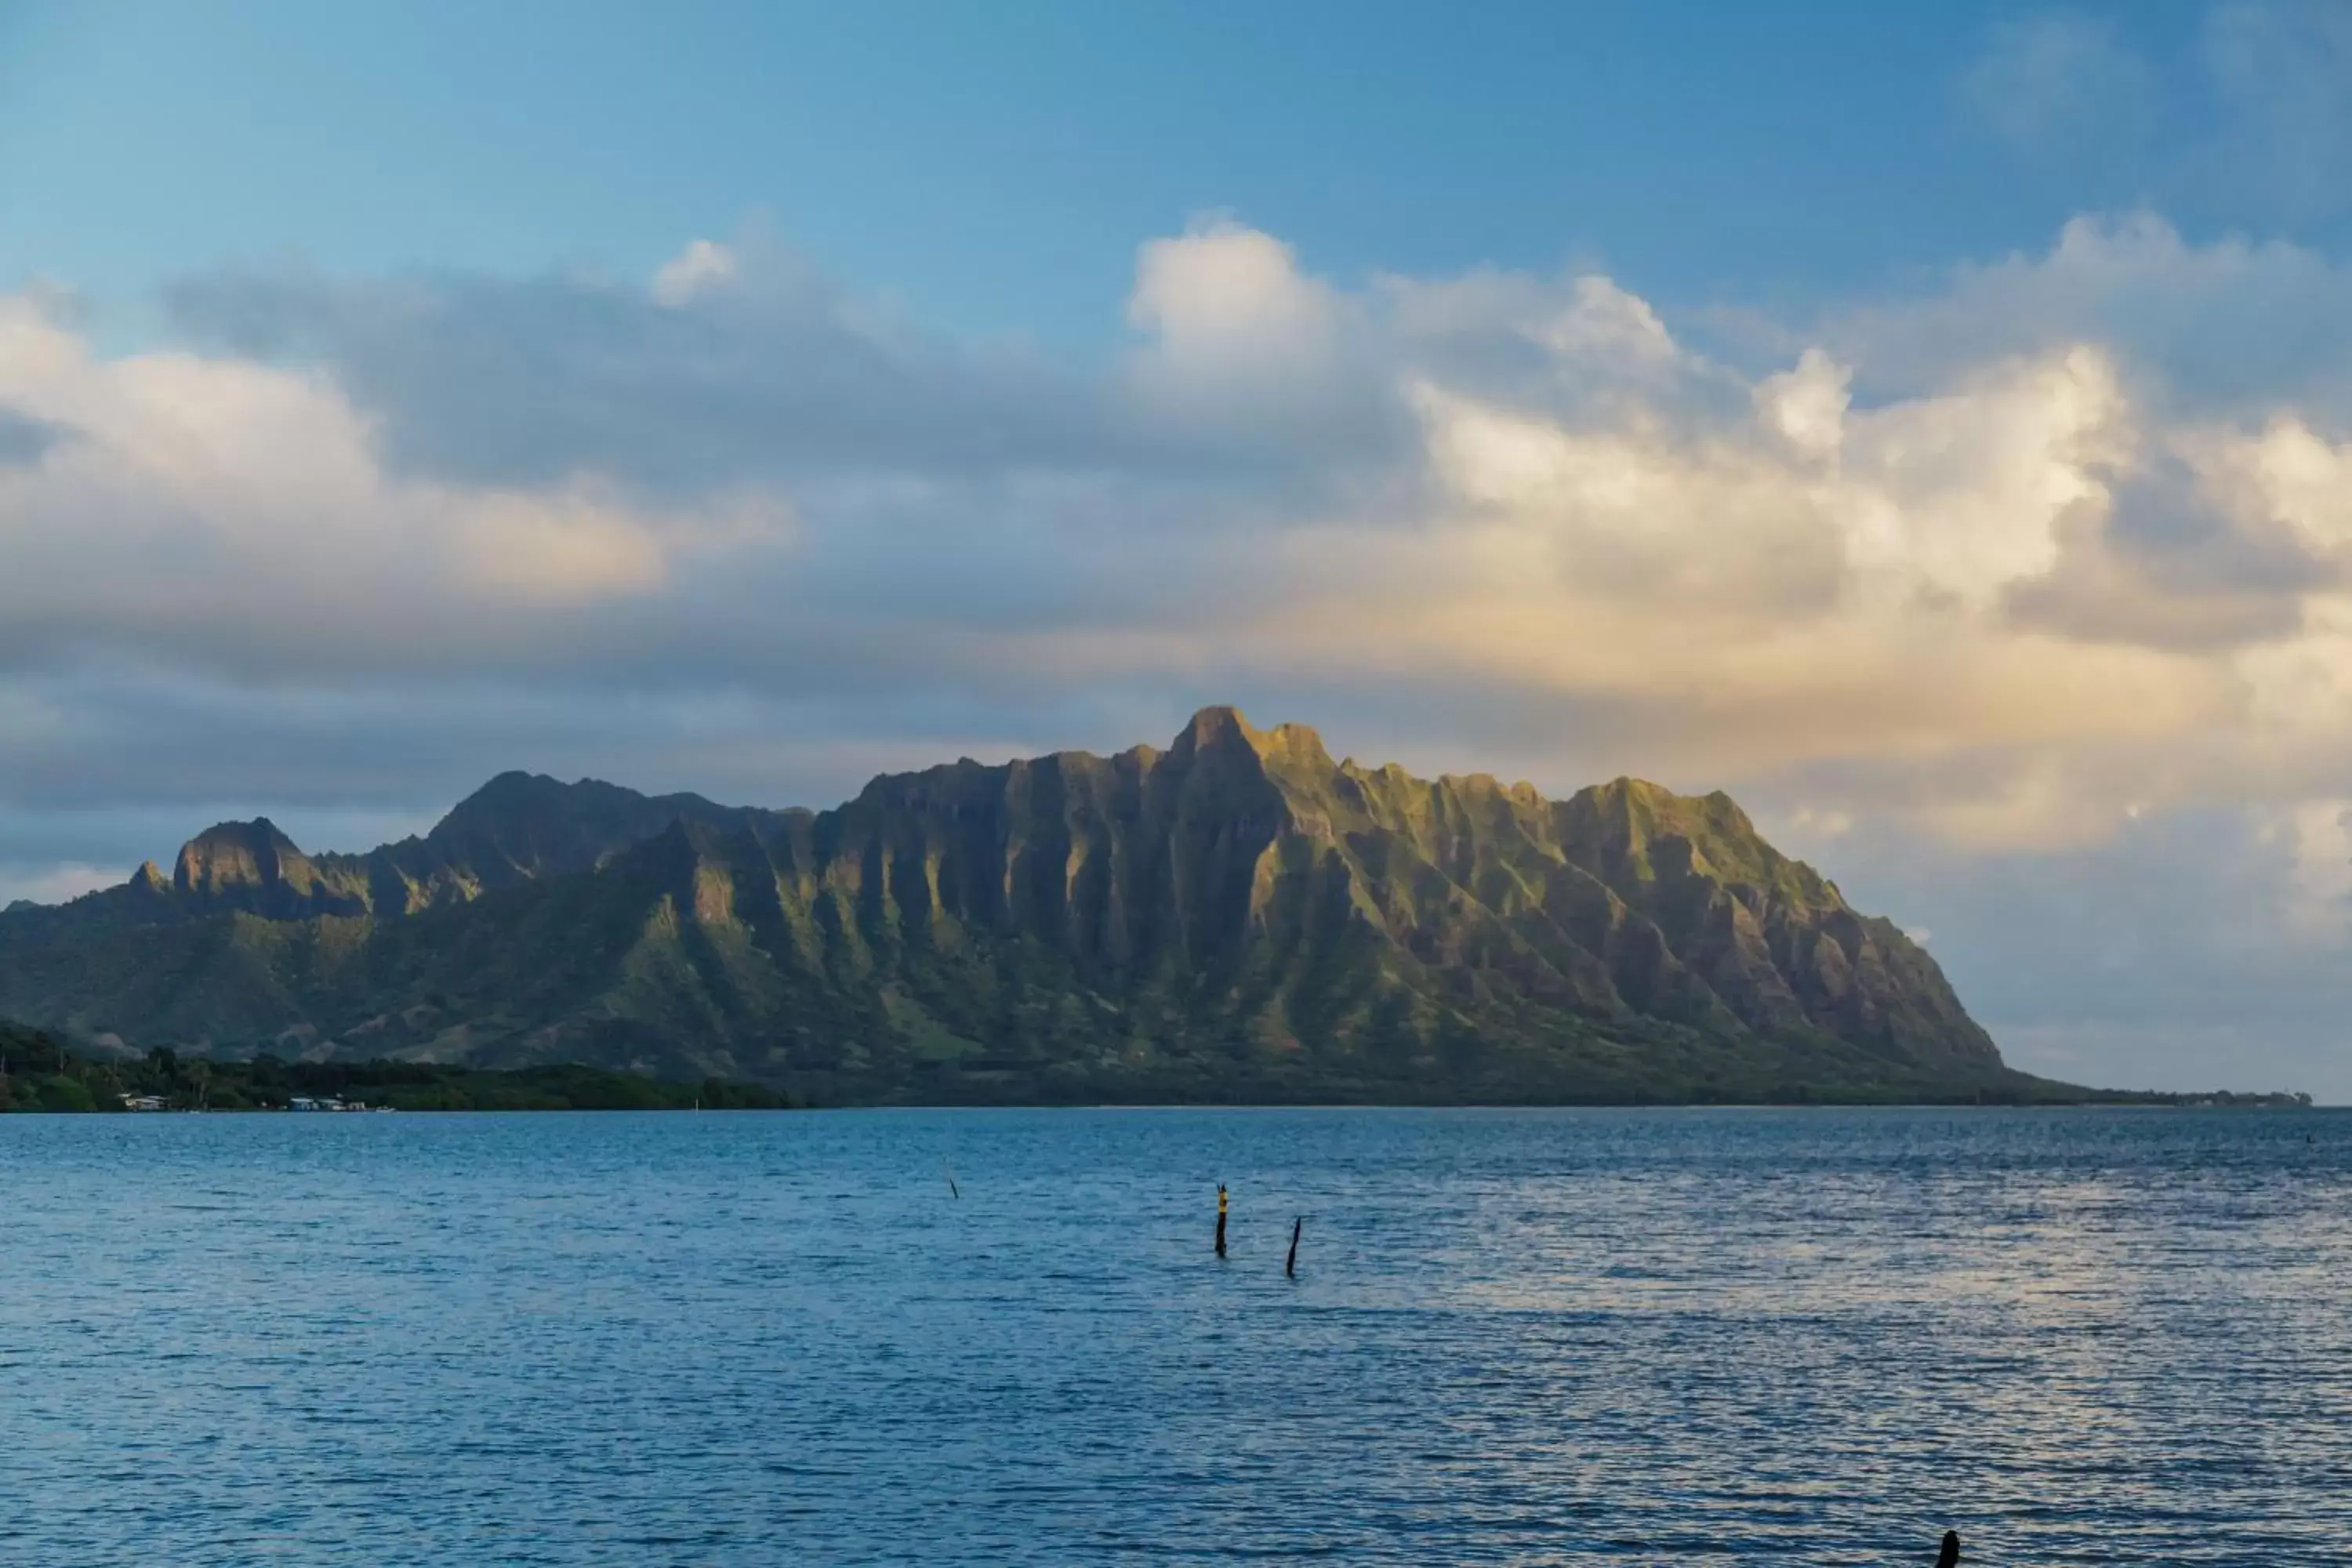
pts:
[210, 505]
[704, 265]
[1808, 404]
[2233, 327]
[1224, 303]
[1998, 569]
[2286, 477]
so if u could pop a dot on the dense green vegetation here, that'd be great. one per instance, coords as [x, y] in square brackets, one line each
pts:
[1238, 918]
[37, 1073]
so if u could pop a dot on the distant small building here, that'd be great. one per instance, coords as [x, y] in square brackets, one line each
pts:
[143, 1103]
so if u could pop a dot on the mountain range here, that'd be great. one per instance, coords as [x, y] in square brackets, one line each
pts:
[1235, 918]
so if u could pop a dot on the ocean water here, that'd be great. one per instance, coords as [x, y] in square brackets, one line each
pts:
[1675, 1336]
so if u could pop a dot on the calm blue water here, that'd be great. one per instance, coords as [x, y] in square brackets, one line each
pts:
[1521, 1337]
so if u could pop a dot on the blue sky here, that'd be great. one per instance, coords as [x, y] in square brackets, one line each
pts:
[994, 165]
[1932, 423]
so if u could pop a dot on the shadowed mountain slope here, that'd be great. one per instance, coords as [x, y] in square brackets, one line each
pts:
[519, 827]
[1237, 917]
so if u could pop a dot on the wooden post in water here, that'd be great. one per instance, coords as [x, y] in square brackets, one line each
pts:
[1220, 1219]
[1290, 1264]
[1950, 1556]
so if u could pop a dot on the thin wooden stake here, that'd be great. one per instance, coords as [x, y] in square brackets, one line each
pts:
[1220, 1219]
[950, 1174]
[1290, 1264]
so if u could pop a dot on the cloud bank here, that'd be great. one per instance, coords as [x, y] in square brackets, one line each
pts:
[2050, 558]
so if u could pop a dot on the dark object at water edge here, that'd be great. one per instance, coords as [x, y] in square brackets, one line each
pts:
[1950, 1555]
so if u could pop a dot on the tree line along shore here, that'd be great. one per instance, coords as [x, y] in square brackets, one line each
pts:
[41, 1073]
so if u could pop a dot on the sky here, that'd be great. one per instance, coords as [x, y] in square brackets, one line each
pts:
[1931, 424]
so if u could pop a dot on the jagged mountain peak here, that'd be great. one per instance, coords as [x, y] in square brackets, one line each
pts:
[1237, 915]
[258, 836]
[1222, 726]
[239, 853]
[514, 787]
[1648, 828]
[520, 826]
[517, 798]
[1216, 724]
[1641, 810]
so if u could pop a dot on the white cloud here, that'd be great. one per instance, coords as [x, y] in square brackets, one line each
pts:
[1760, 602]
[197, 496]
[1963, 493]
[702, 265]
[1239, 345]
[1600, 321]
[1223, 300]
[1808, 404]
[2231, 328]
[2284, 475]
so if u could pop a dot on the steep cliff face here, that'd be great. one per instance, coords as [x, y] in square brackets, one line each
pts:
[1238, 916]
[251, 866]
[1251, 854]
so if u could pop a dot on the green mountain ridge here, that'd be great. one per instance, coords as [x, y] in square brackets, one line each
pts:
[517, 828]
[1238, 917]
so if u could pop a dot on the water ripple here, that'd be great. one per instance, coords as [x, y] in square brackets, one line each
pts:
[1625, 1337]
